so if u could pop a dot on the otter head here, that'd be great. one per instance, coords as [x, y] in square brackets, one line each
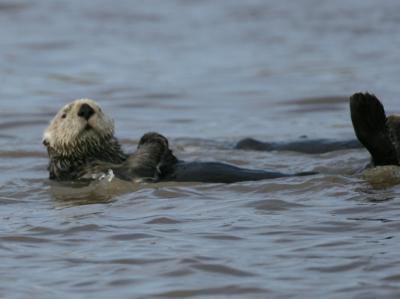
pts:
[78, 128]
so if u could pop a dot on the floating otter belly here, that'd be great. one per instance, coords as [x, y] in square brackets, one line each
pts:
[81, 145]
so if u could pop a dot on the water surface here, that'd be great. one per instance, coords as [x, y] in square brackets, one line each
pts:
[205, 74]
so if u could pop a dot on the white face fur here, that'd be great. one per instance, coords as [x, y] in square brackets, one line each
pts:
[67, 131]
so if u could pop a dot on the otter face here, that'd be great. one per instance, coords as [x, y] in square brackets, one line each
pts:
[76, 126]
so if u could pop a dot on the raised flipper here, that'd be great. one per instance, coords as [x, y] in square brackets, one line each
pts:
[370, 125]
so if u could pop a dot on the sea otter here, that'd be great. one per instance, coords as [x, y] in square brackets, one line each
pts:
[379, 134]
[81, 145]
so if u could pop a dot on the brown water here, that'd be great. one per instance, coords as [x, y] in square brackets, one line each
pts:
[205, 74]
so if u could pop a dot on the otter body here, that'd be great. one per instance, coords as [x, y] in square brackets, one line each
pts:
[81, 146]
[215, 172]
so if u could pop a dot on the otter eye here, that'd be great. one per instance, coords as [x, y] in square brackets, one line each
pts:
[64, 115]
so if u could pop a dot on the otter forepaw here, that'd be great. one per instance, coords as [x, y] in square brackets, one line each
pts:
[153, 137]
[153, 158]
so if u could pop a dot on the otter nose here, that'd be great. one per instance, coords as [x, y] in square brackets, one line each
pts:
[85, 111]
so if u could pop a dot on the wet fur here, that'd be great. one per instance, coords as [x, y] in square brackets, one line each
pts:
[84, 149]
[379, 134]
[73, 143]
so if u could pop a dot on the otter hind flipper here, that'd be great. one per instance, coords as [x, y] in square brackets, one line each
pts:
[370, 126]
[393, 124]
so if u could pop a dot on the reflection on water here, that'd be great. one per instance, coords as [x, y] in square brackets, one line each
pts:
[383, 176]
[205, 74]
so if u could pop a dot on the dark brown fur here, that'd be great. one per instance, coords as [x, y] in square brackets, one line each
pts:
[151, 161]
[379, 134]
